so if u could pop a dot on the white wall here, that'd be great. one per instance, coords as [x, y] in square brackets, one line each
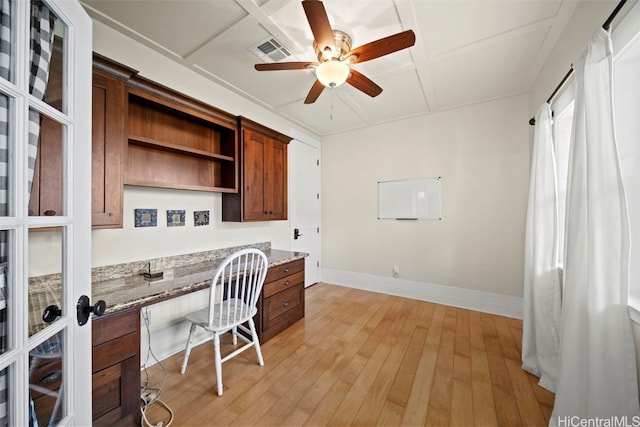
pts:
[481, 153]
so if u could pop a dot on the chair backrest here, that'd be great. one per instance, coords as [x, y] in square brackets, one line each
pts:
[236, 287]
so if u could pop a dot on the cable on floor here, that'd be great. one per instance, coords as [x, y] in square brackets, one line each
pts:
[151, 395]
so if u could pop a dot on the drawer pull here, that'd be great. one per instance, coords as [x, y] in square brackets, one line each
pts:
[286, 269]
[286, 283]
[285, 304]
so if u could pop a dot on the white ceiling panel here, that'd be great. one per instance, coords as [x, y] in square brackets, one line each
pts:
[492, 71]
[466, 51]
[329, 114]
[477, 21]
[398, 99]
[180, 26]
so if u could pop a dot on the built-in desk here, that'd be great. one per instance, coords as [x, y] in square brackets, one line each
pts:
[116, 335]
[133, 290]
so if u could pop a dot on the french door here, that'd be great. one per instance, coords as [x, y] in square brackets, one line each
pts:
[45, 212]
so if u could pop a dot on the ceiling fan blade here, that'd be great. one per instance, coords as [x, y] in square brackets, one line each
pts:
[319, 23]
[314, 93]
[284, 66]
[363, 83]
[383, 46]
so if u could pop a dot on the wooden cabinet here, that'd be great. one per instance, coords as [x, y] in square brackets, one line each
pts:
[108, 137]
[107, 140]
[116, 369]
[263, 176]
[281, 303]
[175, 141]
[46, 191]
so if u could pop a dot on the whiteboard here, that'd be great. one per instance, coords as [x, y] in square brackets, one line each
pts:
[409, 199]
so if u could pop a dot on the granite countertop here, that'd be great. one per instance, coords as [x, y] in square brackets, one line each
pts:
[135, 290]
[124, 286]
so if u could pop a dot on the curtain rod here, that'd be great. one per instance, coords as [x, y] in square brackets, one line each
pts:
[606, 26]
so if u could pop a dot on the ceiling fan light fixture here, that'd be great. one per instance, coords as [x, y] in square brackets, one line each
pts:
[332, 73]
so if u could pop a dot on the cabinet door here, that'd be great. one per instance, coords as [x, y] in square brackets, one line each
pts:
[108, 136]
[275, 185]
[255, 152]
[46, 191]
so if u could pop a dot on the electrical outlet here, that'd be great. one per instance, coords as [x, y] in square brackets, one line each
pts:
[396, 271]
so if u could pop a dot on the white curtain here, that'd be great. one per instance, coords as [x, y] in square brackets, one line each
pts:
[597, 371]
[542, 289]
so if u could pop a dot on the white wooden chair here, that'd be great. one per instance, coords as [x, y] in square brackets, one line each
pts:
[233, 299]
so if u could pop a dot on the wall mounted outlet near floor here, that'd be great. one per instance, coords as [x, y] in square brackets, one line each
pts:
[396, 271]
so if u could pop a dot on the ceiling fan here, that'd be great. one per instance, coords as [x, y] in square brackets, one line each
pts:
[335, 56]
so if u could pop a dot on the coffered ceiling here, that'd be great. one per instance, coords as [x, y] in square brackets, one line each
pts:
[466, 52]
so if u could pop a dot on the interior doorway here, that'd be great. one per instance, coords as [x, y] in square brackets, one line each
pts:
[304, 205]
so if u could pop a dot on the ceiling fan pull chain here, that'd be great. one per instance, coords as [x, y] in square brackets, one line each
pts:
[331, 113]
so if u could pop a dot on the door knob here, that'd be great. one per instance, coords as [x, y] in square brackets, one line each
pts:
[296, 234]
[51, 313]
[83, 309]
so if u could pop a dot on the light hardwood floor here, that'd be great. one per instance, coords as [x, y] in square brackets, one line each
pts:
[362, 358]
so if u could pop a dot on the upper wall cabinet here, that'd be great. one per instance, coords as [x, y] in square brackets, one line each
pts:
[263, 176]
[175, 141]
[108, 137]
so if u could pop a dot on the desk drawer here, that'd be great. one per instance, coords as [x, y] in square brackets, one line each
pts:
[283, 284]
[282, 270]
[115, 325]
[115, 351]
[281, 303]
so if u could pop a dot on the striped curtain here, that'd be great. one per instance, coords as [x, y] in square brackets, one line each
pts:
[5, 70]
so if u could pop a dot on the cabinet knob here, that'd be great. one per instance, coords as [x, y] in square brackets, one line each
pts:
[286, 269]
[50, 212]
[110, 214]
[285, 304]
[286, 283]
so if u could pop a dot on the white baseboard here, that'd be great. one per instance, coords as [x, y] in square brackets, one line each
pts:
[487, 302]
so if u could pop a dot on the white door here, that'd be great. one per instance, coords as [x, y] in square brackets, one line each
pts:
[45, 254]
[304, 205]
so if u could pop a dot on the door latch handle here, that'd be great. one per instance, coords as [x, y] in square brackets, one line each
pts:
[83, 309]
[296, 234]
[51, 313]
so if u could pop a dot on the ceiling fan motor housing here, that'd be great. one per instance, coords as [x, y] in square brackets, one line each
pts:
[337, 52]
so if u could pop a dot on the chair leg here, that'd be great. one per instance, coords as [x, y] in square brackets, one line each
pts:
[187, 350]
[218, 361]
[234, 332]
[56, 408]
[256, 341]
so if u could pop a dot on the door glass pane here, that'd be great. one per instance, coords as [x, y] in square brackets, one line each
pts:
[45, 381]
[45, 165]
[6, 342]
[6, 396]
[46, 48]
[5, 158]
[45, 277]
[6, 54]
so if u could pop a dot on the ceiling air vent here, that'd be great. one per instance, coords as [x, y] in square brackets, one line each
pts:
[270, 50]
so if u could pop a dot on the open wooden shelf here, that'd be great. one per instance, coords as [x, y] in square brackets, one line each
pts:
[177, 142]
[179, 149]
